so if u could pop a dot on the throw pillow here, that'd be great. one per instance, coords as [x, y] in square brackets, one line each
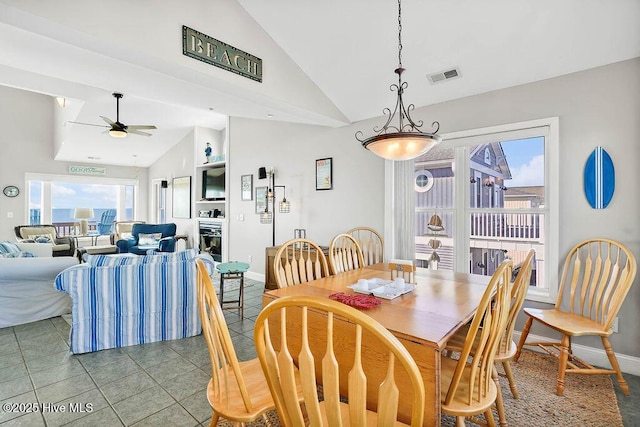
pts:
[9, 248]
[152, 239]
[25, 255]
[186, 255]
[43, 238]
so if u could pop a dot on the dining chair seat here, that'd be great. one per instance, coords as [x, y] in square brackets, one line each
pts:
[460, 402]
[259, 395]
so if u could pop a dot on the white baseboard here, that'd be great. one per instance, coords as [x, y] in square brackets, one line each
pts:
[594, 356]
[255, 276]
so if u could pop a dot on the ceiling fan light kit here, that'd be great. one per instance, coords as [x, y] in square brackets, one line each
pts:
[405, 141]
[118, 129]
[117, 133]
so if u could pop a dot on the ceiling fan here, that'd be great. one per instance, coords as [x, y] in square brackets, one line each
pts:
[118, 129]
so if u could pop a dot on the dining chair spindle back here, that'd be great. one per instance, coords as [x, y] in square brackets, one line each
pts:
[371, 243]
[596, 278]
[467, 384]
[344, 254]
[237, 390]
[506, 347]
[299, 261]
[403, 268]
[285, 339]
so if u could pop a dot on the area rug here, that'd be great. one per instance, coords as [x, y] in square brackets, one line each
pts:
[589, 400]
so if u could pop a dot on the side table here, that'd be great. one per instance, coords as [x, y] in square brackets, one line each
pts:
[232, 270]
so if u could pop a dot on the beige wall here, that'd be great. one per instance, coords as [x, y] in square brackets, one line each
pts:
[356, 199]
[26, 145]
[595, 107]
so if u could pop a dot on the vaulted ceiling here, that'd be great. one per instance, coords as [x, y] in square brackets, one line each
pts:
[327, 63]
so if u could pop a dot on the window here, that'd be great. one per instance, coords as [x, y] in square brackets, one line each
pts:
[159, 201]
[493, 195]
[53, 199]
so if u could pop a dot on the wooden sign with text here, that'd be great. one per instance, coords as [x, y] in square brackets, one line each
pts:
[200, 46]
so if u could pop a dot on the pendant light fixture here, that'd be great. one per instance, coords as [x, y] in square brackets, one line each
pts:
[404, 141]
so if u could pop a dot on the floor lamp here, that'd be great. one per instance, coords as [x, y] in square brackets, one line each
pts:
[284, 206]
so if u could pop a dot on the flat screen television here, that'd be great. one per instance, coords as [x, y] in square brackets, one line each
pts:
[213, 187]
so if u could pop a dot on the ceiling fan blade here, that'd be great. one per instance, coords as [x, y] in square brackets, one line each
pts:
[137, 132]
[137, 127]
[88, 124]
[108, 120]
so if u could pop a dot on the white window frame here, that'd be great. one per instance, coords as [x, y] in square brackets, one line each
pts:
[47, 179]
[158, 203]
[547, 127]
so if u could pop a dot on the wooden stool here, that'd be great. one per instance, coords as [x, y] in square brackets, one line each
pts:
[232, 270]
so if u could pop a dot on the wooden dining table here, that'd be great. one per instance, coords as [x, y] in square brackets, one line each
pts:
[423, 320]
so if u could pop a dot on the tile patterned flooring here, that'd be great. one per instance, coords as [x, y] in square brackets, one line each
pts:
[160, 384]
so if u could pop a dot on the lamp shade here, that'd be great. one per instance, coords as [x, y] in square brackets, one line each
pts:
[401, 145]
[83, 213]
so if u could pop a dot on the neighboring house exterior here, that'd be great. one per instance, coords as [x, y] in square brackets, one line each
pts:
[494, 236]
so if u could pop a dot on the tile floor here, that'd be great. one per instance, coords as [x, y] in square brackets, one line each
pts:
[160, 384]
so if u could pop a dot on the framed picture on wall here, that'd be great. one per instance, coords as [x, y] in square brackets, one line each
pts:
[246, 187]
[324, 174]
[261, 199]
[181, 197]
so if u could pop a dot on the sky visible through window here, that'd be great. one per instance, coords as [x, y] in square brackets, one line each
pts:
[526, 161]
[66, 196]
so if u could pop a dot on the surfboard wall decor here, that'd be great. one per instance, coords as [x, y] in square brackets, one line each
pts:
[599, 178]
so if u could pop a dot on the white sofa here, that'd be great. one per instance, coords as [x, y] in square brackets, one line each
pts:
[27, 292]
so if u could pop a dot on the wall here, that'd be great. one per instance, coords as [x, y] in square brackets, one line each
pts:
[177, 162]
[600, 106]
[291, 149]
[26, 145]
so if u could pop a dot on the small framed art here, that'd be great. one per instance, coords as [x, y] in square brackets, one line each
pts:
[246, 187]
[261, 199]
[324, 174]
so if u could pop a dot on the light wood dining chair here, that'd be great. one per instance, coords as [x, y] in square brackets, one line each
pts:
[507, 347]
[314, 326]
[371, 243]
[237, 390]
[344, 254]
[467, 386]
[403, 268]
[595, 280]
[298, 261]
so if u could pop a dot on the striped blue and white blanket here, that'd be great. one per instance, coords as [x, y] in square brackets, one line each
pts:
[131, 302]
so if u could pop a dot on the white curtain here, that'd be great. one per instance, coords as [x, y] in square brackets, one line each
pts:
[404, 210]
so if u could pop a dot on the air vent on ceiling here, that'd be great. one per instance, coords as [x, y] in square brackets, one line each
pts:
[444, 75]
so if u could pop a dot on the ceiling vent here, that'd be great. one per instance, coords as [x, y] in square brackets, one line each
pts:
[444, 75]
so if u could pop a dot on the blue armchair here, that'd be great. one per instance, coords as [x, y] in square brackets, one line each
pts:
[144, 237]
[105, 226]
